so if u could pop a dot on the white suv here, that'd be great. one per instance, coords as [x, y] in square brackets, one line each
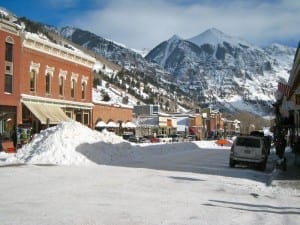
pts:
[249, 150]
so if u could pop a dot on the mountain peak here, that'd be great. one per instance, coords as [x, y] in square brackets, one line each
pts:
[213, 36]
[175, 37]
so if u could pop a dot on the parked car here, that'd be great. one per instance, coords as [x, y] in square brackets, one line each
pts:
[127, 135]
[249, 150]
[133, 139]
[175, 138]
[191, 138]
[154, 139]
[164, 138]
[144, 140]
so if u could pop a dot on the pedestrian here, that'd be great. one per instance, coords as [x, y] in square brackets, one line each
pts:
[297, 152]
[14, 136]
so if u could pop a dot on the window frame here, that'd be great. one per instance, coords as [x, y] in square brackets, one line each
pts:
[61, 85]
[8, 85]
[48, 83]
[83, 90]
[32, 81]
[73, 88]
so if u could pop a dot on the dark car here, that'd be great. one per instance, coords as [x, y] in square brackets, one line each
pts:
[133, 139]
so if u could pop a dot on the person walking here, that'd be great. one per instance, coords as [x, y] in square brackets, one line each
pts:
[297, 152]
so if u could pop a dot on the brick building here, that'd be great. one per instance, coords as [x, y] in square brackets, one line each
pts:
[10, 45]
[42, 83]
[106, 113]
[56, 83]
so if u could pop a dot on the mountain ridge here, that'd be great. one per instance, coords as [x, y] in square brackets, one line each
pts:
[209, 74]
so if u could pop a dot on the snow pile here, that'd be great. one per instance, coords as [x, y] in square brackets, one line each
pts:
[71, 143]
[61, 144]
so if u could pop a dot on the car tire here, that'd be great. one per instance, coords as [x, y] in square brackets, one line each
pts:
[262, 166]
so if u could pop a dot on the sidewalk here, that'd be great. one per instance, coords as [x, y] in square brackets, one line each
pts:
[291, 177]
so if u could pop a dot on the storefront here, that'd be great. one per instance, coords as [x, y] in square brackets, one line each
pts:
[7, 126]
[39, 113]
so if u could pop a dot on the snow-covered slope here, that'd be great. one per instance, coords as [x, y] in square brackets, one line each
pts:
[214, 37]
[212, 67]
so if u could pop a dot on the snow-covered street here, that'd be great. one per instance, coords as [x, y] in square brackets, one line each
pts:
[115, 182]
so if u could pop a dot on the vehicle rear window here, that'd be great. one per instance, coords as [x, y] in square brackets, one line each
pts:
[248, 142]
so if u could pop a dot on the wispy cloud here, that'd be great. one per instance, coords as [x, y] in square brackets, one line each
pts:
[144, 23]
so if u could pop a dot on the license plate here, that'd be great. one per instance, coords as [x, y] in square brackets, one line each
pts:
[247, 151]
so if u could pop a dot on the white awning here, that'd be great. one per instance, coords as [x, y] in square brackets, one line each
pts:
[128, 125]
[112, 124]
[101, 124]
[50, 113]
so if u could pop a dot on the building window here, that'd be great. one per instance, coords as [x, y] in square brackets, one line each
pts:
[73, 84]
[32, 81]
[83, 90]
[8, 52]
[8, 83]
[297, 98]
[61, 85]
[8, 77]
[86, 118]
[48, 83]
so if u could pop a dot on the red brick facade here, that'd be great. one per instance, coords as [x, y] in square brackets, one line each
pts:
[37, 68]
[27, 62]
[108, 112]
[44, 61]
[9, 34]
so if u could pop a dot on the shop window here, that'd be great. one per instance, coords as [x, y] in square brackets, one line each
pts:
[78, 117]
[73, 84]
[48, 83]
[69, 114]
[86, 118]
[61, 85]
[7, 123]
[32, 81]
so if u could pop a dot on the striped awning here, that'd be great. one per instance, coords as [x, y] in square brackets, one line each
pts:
[46, 113]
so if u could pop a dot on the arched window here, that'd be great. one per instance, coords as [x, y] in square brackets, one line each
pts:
[48, 83]
[9, 41]
[83, 90]
[32, 80]
[73, 85]
[8, 78]
[61, 85]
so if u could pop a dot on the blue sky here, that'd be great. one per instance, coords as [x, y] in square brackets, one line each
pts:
[144, 24]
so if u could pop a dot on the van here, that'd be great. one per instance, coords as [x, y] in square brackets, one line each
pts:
[249, 150]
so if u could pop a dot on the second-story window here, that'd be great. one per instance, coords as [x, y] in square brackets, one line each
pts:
[32, 81]
[8, 83]
[8, 77]
[61, 86]
[48, 83]
[83, 90]
[73, 84]
[8, 52]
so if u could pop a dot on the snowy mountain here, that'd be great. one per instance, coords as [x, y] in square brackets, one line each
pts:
[115, 52]
[211, 68]
[214, 36]
[225, 71]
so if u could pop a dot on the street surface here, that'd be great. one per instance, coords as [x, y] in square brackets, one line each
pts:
[190, 187]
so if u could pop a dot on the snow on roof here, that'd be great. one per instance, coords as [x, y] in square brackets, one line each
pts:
[3, 11]
[44, 40]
